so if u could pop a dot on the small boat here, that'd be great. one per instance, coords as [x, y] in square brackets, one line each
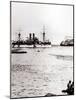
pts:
[19, 52]
[50, 94]
[38, 50]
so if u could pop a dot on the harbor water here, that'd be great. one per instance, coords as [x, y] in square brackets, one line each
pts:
[40, 71]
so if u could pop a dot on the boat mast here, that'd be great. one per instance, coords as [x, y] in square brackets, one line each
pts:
[43, 33]
[19, 36]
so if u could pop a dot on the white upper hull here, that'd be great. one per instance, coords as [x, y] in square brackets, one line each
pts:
[40, 46]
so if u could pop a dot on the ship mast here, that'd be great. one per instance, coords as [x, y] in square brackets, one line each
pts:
[43, 33]
[19, 36]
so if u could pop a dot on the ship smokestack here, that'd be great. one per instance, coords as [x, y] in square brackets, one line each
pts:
[30, 36]
[33, 36]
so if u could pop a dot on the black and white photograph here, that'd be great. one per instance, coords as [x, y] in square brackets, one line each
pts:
[41, 49]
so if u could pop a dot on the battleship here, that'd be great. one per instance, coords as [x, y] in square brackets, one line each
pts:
[31, 41]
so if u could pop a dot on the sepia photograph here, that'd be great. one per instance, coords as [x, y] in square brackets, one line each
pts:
[41, 49]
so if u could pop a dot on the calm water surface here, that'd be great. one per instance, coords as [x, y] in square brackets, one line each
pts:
[41, 71]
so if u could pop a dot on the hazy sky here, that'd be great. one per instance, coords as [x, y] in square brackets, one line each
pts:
[30, 18]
